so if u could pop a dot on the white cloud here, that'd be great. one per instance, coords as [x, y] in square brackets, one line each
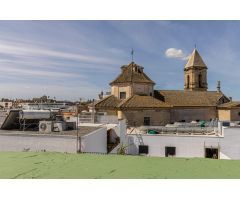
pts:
[176, 53]
[22, 49]
[36, 73]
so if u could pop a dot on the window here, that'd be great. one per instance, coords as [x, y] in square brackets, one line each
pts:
[211, 153]
[122, 95]
[225, 123]
[239, 114]
[143, 149]
[188, 81]
[170, 151]
[200, 80]
[146, 121]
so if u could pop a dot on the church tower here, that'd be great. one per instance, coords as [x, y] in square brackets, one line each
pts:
[195, 73]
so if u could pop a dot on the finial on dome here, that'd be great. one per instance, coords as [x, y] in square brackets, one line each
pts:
[218, 86]
[132, 52]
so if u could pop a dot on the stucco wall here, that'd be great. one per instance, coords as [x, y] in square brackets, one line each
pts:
[186, 146]
[145, 89]
[157, 117]
[95, 142]
[131, 89]
[10, 142]
[235, 114]
[224, 115]
[229, 114]
[230, 145]
[188, 114]
[116, 89]
[190, 146]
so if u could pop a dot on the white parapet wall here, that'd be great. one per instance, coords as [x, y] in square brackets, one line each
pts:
[186, 146]
[95, 142]
[37, 142]
[230, 144]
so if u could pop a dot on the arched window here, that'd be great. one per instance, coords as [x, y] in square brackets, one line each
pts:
[200, 80]
[188, 81]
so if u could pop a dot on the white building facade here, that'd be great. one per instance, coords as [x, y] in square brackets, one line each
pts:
[223, 146]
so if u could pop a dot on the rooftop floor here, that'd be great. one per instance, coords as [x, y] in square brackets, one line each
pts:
[83, 130]
[47, 165]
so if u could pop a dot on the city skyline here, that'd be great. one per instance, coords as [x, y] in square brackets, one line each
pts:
[75, 59]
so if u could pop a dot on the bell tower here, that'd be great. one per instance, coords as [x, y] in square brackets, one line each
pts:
[195, 73]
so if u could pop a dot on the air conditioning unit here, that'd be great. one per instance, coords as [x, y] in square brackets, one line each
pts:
[59, 126]
[45, 126]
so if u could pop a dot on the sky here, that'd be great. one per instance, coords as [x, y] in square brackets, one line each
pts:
[70, 60]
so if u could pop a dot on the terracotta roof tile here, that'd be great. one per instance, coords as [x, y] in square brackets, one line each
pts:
[135, 101]
[108, 102]
[132, 73]
[143, 102]
[189, 98]
[232, 104]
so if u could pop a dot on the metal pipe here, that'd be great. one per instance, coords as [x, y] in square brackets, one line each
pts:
[77, 136]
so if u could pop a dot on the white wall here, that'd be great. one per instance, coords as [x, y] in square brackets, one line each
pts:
[186, 146]
[230, 145]
[36, 142]
[190, 146]
[95, 142]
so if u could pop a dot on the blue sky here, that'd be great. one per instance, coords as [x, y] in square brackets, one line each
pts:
[75, 59]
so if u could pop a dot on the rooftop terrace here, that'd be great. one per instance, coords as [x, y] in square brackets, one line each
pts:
[83, 130]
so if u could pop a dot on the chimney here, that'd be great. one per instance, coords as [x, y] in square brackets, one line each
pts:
[141, 69]
[123, 67]
[219, 86]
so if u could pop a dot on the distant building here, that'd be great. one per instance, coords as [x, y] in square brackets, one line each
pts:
[133, 97]
[43, 99]
[6, 104]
